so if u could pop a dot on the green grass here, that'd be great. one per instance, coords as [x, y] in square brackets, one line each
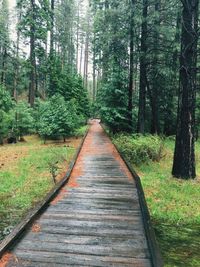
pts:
[25, 181]
[81, 131]
[175, 209]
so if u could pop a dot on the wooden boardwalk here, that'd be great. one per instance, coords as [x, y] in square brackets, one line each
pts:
[95, 220]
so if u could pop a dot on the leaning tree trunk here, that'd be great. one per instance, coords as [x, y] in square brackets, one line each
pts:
[184, 155]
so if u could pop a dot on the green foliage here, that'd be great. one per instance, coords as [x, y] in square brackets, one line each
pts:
[57, 118]
[5, 99]
[80, 132]
[5, 116]
[5, 122]
[139, 149]
[70, 87]
[110, 28]
[23, 122]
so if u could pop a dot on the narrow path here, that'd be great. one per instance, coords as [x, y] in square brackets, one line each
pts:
[94, 221]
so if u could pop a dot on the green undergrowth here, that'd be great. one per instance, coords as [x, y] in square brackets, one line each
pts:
[81, 131]
[174, 205]
[25, 181]
[139, 149]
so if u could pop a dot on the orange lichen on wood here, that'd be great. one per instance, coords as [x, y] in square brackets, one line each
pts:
[7, 257]
[59, 197]
[36, 228]
[77, 172]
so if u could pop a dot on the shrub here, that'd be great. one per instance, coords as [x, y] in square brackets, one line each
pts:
[23, 122]
[57, 118]
[139, 149]
[5, 122]
[5, 100]
[5, 117]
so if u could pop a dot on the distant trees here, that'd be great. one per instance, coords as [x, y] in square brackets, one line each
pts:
[111, 59]
[4, 40]
[39, 66]
[137, 50]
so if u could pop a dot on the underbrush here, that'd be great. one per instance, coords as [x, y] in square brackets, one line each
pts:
[139, 149]
[174, 204]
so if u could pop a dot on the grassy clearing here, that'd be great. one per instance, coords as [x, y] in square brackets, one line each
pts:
[25, 176]
[175, 209]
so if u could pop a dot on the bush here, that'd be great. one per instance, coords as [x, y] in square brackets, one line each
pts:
[23, 122]
[5, 117]
[5, 100]
[57, 118]
[5, 122]
[139, 149]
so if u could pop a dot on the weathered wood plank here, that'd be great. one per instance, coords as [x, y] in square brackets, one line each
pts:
[126, 250]
[92, 216]
[105, 232]
[136, 223]
[96, 219]
[81, 260]
[136, 239]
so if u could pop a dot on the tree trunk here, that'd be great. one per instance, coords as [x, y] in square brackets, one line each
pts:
[77, 36]
[155, 129]
[184, 154]
[143, 72]
[94, 72]
[16, 78]
[51, 52]
[3, 73]
[32, 87]
[169, 128]
[130, 90]
[86, 55]
[52, 29]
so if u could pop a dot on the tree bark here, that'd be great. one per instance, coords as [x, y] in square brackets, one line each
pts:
[184, 154]
[86, 55]
[77, 36]
[51, 52]
[81, 59]
[155, 129]
[94, 71]
[32, 87]
[3, 73]
[16, 78]
[130, 90]
[143, 72]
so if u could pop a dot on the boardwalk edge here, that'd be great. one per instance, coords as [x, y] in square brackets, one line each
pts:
[32, 214]
[156, 257]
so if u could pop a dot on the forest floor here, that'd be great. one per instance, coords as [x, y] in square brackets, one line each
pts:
[25, 174]
[175, 209]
